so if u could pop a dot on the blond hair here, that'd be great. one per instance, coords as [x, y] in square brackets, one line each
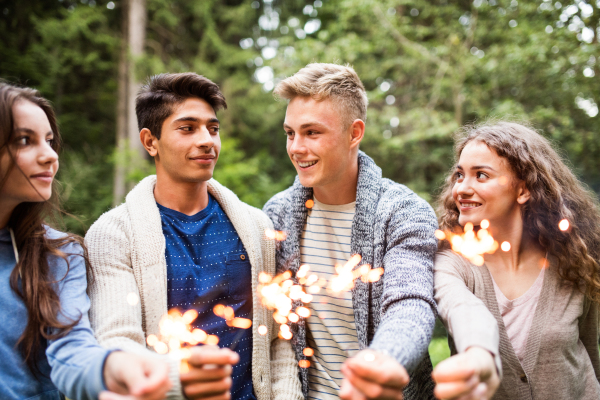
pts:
[321, 81]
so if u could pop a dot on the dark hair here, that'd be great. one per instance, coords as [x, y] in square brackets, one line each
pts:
[556, 194]
[157, 98]
[28, 221]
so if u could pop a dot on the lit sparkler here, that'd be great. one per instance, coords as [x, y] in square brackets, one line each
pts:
[472, 245]
[280, 292]
[177, 335]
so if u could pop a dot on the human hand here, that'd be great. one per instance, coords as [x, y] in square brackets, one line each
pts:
[133, 377]
[469, 375]
[209, 376]
[372, 375]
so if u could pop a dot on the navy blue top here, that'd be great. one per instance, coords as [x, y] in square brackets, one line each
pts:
[207, 264]
[73, 363]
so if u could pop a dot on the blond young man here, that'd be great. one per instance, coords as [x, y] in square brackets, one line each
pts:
[182, 240]
[370, 342]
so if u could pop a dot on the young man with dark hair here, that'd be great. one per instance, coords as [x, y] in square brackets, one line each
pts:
[370, 342]
[182, 240]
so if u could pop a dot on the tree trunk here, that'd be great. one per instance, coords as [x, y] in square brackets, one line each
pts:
[128, 142]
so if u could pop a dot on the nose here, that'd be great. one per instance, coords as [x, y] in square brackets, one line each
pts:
[204, 139]
[47, 155]
[296, 145]
[465, 188]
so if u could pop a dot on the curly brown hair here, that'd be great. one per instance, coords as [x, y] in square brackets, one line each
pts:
[556, 194]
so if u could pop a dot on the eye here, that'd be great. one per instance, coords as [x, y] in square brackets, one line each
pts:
[215, 129]
[186, 128]
[22, 141]
[289, 134]
[311, 133]
[481, 175]
[458, 175]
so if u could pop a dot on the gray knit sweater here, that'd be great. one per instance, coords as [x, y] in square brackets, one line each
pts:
[393, 228]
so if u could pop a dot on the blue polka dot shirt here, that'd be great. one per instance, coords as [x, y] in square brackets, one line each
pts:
[207, 264]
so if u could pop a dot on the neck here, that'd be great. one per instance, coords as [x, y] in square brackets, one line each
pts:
[186, 197]
[6, 210]
[342, 190]
[524, 251]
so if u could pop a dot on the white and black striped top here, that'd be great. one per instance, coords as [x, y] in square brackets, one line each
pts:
[331, 329]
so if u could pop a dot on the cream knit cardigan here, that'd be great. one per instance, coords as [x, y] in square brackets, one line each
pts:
[127, 255]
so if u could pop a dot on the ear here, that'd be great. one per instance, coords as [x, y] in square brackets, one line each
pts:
[357, 132]
[149, 142]
[524, 193]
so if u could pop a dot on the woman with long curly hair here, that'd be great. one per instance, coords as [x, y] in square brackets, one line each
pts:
[46, 344]
[527, 317]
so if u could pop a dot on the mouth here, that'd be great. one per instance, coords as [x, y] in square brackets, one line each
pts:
[306, 164]
[468, 205]
[207, 159]
[43, 176]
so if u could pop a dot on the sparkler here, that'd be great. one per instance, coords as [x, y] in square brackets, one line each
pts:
[280, 292]
[177, 335]
[472, 245]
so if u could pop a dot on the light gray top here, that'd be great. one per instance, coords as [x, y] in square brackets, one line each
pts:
[562, 359]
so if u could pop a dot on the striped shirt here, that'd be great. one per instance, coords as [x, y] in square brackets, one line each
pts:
[331, 329]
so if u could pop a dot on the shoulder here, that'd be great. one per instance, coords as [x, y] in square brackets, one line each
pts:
[71, 246]
[258, 216]
[113, 223]
[447, 260]
[398, 197]
[281, 201]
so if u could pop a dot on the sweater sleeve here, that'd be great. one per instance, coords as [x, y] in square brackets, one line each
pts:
[76, 359]
[465, 316]
[407, 305]
[117, 320]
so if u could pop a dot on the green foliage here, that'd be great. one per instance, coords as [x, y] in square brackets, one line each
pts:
[438, 350]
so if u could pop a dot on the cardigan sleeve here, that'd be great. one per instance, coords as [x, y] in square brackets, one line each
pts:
[115, 319]
[285, 384]
[465, 316]
[407, 305]
[589, 334]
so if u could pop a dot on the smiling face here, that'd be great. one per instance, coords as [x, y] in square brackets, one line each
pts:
[486, 188]
[36, 162]
[321, 148]
[189, 146]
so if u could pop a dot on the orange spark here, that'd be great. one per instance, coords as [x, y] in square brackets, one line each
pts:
[275, 235]
[310, 203]
[563, 225]
[304, 363]
[473, 246]
[262, 330]
[308, 352]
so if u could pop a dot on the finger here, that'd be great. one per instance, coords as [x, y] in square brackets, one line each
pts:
[346, 390]
[205, 355]
[207, 389]
[105, 395]
[455, 368]
[452, 390]
[206, 374]
[156, 382]
[388, 373]
[370, 389]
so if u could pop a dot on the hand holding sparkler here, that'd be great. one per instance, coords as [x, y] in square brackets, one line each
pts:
[131, 377]
[373, 375]
[209, 373]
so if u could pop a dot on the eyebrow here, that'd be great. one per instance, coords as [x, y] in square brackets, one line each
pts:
[194, 119]
[306, 125]
[30, 131]
[476, 167]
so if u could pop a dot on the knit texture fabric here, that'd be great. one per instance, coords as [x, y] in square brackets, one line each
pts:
[393, 229]
[127, 255]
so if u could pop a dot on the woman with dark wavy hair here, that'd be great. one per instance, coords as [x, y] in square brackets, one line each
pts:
[529, 314]
[46, 344]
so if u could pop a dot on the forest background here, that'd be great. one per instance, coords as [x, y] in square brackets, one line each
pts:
[429, 66]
